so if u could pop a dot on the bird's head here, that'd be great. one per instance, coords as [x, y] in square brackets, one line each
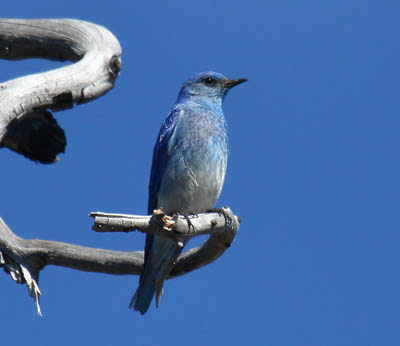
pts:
[210, 86]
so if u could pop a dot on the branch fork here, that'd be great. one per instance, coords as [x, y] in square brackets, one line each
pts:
[24, 259]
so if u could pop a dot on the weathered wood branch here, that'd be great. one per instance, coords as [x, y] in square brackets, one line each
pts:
[167, 226]
[23, 259]
[96, 54]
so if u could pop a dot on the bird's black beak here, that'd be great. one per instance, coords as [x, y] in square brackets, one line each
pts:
[230, 83]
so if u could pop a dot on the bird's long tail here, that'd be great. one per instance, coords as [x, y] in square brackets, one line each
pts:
[158, 265]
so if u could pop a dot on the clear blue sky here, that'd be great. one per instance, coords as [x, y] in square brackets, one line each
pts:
[314, 173]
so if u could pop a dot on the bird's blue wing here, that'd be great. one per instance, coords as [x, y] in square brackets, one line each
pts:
[160, 158]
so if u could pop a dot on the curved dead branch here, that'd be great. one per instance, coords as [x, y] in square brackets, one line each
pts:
[26, 125]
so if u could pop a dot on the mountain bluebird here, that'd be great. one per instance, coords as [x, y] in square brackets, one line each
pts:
[187, 173]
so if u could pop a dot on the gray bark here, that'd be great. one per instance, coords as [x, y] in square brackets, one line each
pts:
[95, 51]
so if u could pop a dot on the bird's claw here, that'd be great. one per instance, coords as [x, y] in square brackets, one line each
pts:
[189, 222]
[168, 221]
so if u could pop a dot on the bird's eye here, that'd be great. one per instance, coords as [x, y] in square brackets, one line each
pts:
[210, 81]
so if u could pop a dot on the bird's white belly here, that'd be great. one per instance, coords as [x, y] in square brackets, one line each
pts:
[191, 188]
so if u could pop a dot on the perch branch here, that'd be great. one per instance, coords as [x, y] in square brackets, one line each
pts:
[23, 259]
[164, 225]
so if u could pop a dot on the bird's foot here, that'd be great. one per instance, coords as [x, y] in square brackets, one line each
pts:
[189, 222]
[168, 221]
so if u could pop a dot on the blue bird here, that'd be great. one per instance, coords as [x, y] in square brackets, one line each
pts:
[187, 173]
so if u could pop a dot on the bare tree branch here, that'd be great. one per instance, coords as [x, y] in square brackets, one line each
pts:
[167, 226]
[96, 53]
[23, 259]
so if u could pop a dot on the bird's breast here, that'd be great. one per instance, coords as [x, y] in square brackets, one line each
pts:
[195, 170]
